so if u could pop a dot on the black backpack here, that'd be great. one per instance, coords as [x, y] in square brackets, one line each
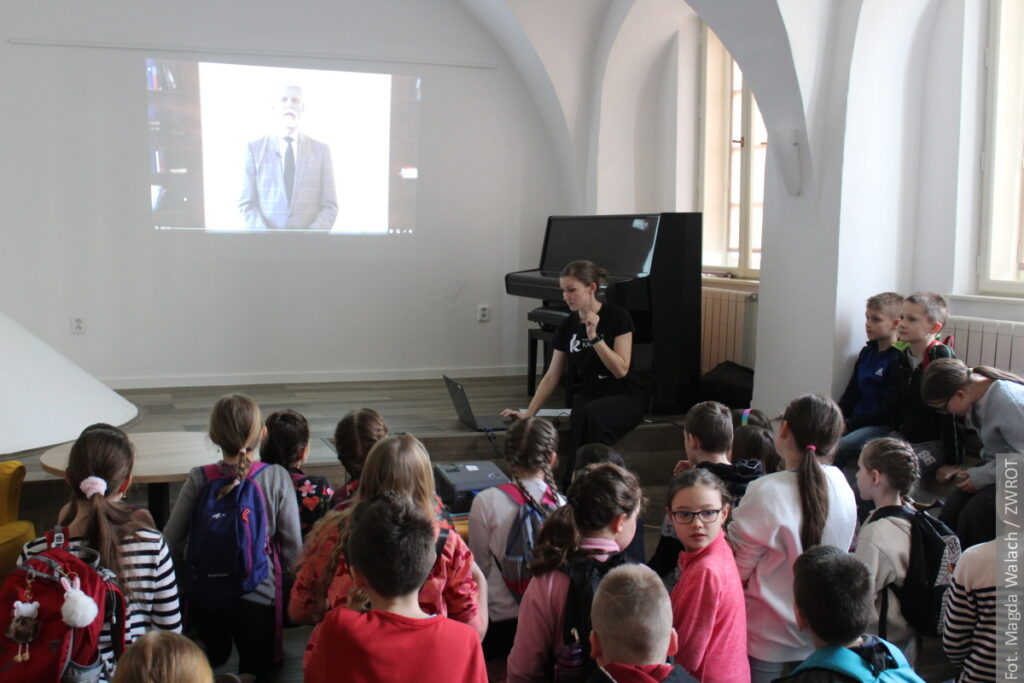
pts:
[934, 552]
[573, 661]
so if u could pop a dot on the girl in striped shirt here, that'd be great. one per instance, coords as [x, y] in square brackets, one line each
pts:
[99, 473]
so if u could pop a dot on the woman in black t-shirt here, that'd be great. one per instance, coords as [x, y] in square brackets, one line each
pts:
[597, 341]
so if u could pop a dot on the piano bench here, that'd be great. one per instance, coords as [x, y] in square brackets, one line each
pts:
[546, 337]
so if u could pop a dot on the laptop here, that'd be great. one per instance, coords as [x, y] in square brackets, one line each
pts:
[461, 403]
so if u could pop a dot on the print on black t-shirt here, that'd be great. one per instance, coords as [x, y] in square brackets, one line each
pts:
[590, 371]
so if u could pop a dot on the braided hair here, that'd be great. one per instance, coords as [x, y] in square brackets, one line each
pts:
[235, 426]
[528, 448]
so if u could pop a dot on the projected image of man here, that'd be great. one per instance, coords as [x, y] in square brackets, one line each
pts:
[289, 179]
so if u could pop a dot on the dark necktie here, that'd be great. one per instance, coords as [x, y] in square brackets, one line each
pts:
[289, 169]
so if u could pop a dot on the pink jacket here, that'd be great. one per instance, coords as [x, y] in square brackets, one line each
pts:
[710, 616]
[540, 619]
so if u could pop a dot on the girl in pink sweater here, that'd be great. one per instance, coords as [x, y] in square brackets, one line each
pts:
[708, 610]
[579, 543]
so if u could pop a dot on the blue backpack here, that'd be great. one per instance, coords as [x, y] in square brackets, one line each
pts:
[229, 549]
[878, 660]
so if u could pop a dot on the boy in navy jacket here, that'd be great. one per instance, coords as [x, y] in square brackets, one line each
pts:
[873, 379]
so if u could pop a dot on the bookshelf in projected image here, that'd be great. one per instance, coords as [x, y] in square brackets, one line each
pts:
[175, 143]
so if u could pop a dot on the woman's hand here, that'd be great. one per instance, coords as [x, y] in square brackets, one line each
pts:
[514, 414]
[681, 466]
[590, 320]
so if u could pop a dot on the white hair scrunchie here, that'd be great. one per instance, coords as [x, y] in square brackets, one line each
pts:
[93, 485]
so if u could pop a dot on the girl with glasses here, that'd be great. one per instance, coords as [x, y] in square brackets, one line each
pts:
[708, 610]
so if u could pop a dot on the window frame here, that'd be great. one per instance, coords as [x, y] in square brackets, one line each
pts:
[714, 166]
[1002, 169]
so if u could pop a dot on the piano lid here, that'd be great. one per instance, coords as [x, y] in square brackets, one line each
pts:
[622, 245]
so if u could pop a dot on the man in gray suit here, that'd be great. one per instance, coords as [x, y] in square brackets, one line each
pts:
[289, 179]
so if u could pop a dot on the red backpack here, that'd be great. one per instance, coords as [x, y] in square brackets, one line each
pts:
[52, 610]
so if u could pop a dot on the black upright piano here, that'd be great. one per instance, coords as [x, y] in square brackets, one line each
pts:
[654, 264]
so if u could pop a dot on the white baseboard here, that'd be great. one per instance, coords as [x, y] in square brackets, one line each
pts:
[236, 379]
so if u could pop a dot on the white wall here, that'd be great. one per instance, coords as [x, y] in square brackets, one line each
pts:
[178, 308]
[649, 102]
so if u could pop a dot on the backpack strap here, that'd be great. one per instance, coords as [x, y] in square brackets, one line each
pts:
[517, 493]
[900, 512]
[884, 657]
[929, 353]
[442, 539]
[584, 575]
[513, 492]
[58, 537]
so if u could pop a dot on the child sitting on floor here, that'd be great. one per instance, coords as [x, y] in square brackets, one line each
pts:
[390, 550]
[937, 439]
[873, 378]
[833, 602]
[632, 629]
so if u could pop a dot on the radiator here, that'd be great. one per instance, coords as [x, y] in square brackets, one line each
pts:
[978, 341]
[728, 321]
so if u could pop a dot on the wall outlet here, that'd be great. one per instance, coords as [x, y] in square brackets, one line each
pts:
[483, 313]
[77, 325]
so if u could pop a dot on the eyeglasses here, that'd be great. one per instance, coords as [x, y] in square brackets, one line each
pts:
[686, 517]
[944, 410]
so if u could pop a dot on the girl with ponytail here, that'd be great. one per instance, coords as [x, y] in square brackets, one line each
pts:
[530, 448]
[782, 514]
[354, 436]
[99, 473]
[993, 402]
[399, 464]
[579, 544]
[236, 427]
[887, 471]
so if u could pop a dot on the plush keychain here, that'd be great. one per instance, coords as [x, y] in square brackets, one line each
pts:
[24, 627]
[78, 610]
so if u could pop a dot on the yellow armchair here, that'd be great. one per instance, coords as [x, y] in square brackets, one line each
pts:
[13, 533]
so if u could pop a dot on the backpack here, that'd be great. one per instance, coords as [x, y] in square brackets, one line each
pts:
[886, 663]
[934, 552]
[522, 536]
[573, 662]
[53, 608]
[229, 547]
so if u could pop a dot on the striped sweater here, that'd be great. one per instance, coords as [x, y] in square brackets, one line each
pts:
[969, 629]
[148, 576]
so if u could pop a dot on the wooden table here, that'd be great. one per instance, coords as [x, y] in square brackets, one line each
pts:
[160, 458]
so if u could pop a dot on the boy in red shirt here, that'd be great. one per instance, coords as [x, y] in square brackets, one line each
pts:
[390, 552]
[632, 634]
